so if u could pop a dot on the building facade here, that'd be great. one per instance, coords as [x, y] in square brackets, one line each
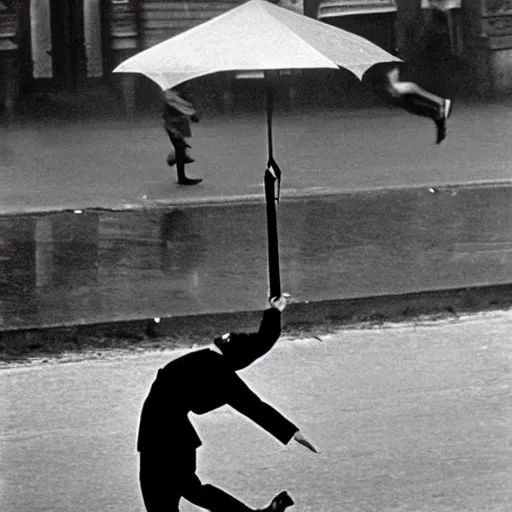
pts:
[73, 45]
[70, 46]
[61, 46]
[489, 43]
[471, 37]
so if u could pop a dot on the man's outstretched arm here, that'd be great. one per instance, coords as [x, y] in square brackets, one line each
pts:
[246, 402]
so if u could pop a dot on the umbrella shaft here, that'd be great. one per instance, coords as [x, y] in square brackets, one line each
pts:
[270, 195]
[270, 80]
[272, 237]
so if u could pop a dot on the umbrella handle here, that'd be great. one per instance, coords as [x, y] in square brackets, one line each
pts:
[271, 78]
[272, 175]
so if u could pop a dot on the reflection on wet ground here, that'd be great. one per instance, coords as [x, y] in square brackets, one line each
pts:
[70, 268]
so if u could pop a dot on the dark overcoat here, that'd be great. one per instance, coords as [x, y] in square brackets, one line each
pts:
[200, 382]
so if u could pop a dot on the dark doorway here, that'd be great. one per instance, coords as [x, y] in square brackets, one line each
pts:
[68, 44]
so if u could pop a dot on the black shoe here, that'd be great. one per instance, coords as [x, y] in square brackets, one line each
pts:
[441, 130]
[189, 181]
[279, 503]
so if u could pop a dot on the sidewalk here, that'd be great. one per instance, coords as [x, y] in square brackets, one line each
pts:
[121, 165]
[416, 418]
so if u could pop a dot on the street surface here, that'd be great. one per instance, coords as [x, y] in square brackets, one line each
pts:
[408, 418]
[113, 164]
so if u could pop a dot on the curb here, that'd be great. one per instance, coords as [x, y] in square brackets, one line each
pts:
[192, 329]
[287, 195]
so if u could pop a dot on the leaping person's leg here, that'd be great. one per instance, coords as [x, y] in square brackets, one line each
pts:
[384, 79]
[423, 103]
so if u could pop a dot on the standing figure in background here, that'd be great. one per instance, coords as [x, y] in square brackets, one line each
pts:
[177, 114]
[385, 80]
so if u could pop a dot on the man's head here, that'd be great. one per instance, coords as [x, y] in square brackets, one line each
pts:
[239, 349]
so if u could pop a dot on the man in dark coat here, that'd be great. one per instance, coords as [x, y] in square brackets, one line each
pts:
[199, 382]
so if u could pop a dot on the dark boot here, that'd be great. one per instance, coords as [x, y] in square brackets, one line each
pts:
[446, 111]
[180, 168]
[278, 504]
[441, 130]
[189, 181]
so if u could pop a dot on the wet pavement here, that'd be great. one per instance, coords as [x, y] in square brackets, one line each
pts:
[113, 164]
[67, 269]
[410, 418]
[367, 210]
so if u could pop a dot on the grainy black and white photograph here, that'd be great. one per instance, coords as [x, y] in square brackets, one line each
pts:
[255, 255]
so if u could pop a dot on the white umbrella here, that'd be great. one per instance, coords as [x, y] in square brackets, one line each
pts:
[257, 35]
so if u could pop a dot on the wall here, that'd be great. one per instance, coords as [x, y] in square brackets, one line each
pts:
[161, 20]
[497, 31]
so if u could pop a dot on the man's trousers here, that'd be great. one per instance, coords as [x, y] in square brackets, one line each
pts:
[421, 103]
[168, 476]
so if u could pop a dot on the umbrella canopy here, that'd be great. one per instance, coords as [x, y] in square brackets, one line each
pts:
[257, 35]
